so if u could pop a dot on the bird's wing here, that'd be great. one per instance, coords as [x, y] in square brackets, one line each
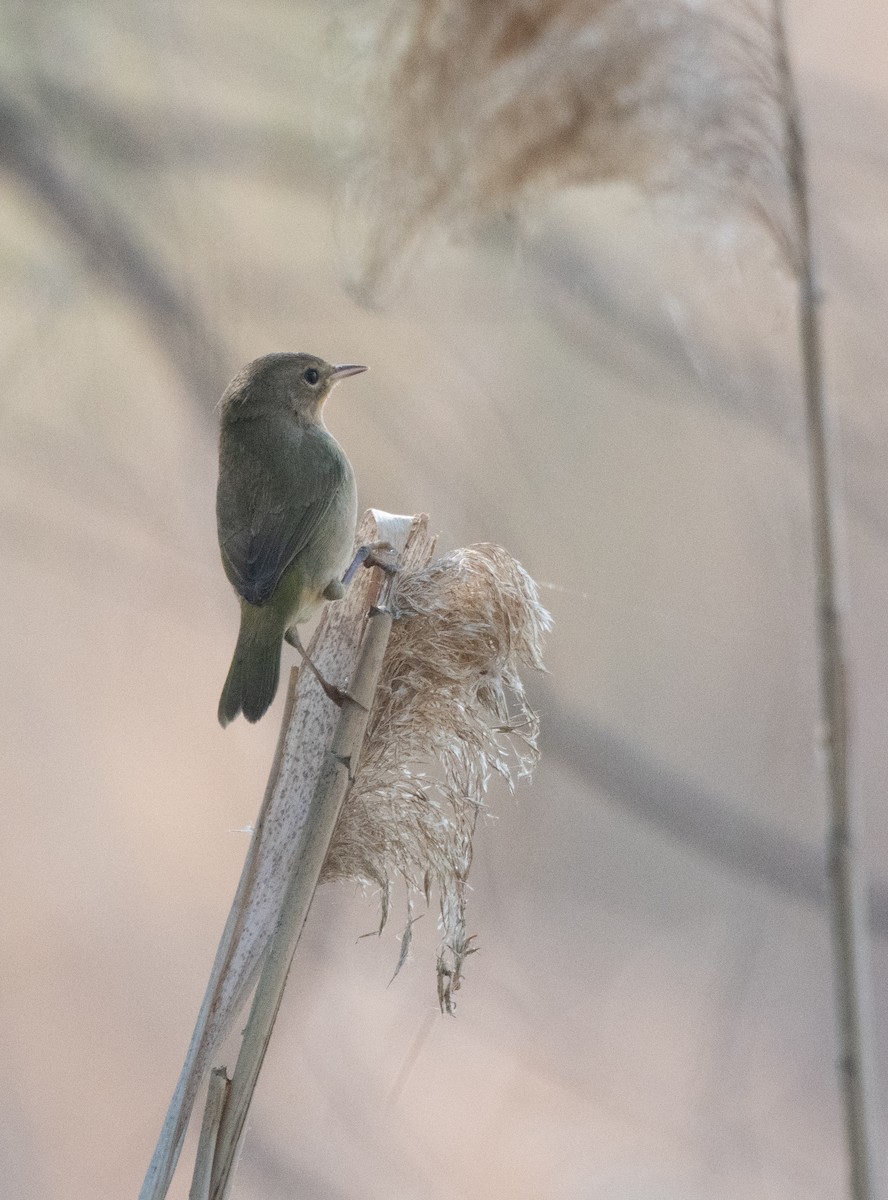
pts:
[269, 507]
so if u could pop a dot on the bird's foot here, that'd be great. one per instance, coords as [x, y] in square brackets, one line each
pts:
[334, 693]
[376, 554]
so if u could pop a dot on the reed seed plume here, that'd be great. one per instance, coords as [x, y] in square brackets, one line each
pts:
[450, 714]
[480, 107]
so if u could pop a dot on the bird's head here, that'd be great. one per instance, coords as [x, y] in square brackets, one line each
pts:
[283, 383]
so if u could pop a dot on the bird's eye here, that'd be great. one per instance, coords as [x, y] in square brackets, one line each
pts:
[311, 376]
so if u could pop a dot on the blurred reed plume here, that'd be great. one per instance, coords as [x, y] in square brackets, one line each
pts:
[450, 713]
[479, 107]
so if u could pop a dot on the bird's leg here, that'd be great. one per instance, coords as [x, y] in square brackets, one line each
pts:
[337, 695]
[376, 554]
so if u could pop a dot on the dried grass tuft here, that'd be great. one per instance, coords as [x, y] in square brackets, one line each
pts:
[480, 107]
[450, 714]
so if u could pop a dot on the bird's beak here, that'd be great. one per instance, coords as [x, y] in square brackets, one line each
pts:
[344, 371]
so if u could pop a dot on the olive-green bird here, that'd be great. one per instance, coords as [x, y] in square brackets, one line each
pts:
[286, 508]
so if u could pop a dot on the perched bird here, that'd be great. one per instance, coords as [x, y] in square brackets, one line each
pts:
[286, 509]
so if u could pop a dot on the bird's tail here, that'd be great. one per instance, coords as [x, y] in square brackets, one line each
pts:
[255, 669]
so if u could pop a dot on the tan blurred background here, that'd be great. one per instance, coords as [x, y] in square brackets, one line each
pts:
[650, 1016]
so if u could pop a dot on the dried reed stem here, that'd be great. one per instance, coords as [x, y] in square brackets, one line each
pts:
[306, 732]
[339, 769]
[438, 710]
[850, 917]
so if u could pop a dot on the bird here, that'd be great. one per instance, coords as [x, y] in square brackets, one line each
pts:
[286, 511]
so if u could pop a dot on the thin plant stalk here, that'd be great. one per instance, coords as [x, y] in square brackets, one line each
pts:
[850, 917]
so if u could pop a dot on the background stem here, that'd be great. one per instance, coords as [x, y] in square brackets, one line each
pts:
[853, 976]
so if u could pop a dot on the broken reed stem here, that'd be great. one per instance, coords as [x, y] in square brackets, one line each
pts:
[850, 918]
[330, 791]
